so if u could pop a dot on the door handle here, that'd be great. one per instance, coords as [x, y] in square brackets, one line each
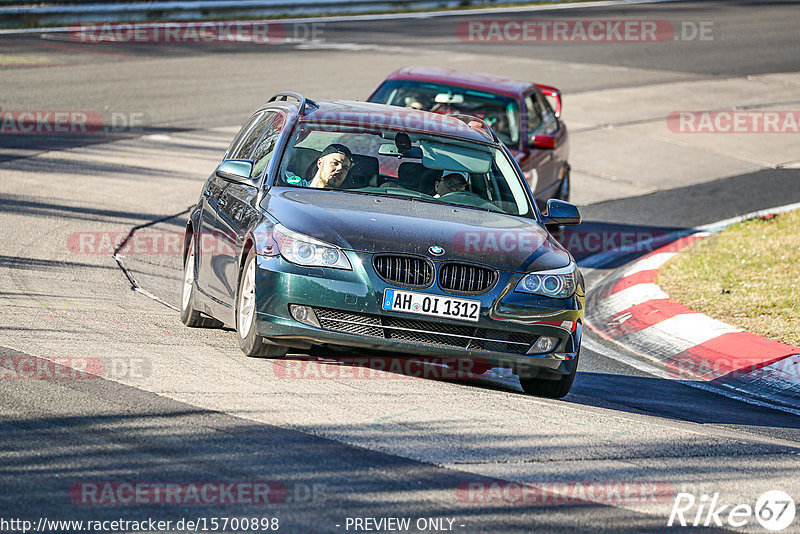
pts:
[207, 193]
[222, 202]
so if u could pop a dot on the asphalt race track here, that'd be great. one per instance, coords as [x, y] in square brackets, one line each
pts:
[184, 406]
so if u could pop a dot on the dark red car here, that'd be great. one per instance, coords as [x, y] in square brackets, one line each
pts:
[524, 115]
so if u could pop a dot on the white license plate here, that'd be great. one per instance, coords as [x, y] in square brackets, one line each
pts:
[435, 305]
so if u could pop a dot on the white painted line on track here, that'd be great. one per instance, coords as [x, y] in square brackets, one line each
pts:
[695, 328]
[650, 263]
[679, 333]
[631, 296]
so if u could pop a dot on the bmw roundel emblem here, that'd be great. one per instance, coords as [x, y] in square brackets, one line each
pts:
[436, 250]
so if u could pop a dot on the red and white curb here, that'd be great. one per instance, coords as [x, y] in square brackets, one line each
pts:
[629, 308]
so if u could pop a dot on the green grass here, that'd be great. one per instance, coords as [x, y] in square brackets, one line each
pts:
[748, 276]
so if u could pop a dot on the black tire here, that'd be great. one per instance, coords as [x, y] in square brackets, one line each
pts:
[250, 342]
[554, 389]
[189, 316]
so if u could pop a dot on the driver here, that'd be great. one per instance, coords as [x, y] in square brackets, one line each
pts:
[414, 101]
[332, 166]
[450, 182]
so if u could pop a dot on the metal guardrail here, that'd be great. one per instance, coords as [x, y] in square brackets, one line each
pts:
[45, 15]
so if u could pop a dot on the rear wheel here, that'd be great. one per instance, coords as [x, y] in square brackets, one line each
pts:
[554, 389]
[249, 341]
[190, 316]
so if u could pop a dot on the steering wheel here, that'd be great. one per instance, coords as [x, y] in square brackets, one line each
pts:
[465, 194]
[468, 198]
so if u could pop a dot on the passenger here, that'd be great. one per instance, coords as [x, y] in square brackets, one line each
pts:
[450, 182]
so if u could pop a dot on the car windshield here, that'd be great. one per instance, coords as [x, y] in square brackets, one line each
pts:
[405, 164]
[500, 112]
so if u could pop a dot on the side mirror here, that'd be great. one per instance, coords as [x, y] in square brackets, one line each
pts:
[560, 213]
[543, 141]
[236, 170]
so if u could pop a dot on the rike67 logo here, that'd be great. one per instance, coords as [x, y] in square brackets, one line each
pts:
[774, 510]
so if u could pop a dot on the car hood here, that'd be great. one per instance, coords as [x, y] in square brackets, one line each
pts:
[372, 224]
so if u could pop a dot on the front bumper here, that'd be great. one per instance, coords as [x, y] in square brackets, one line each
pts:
[348, 305]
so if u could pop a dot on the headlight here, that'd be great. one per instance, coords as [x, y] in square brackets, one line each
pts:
[304, 250]
[556, 284]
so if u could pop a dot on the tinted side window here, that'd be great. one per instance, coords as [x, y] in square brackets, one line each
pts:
[533, 116]
[250, 139]
[540, 117]
[266, 146]
[242, 133]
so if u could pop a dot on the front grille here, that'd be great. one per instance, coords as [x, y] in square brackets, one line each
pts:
[351, 323]
[466, 278]
[425, 332]
[409, 271]
[428, 332]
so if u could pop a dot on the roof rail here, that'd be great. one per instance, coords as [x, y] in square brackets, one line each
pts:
[283, 96]
[466, 119]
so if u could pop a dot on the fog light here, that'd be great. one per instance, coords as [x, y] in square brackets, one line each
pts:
[304, 314]
[545, 344]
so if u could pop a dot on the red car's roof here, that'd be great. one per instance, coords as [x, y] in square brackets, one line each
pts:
[472, 80]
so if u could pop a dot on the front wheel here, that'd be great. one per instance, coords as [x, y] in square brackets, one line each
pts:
[554, 389]
[249, 341]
